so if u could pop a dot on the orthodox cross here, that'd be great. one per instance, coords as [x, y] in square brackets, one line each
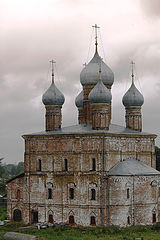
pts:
[132, 63]
[52, 64]
[96, 27]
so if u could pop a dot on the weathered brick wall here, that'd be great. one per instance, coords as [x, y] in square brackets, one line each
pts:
[139, 205]
[53, 118]
[79, 150]
[100, 116]
[134, 118]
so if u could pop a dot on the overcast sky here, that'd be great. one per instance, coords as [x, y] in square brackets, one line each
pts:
[33, 32]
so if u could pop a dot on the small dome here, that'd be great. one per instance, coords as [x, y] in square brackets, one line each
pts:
[79, 100]
[90, 74]
[100, 94]
[133, 97]
[53, 97]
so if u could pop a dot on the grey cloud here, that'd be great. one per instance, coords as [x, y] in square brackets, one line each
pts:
[150, 7]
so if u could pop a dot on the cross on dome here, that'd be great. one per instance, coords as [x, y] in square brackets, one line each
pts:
[52, 65]
[96, 35]
[132, 63]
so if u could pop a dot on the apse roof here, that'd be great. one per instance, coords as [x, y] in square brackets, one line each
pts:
[87, 129]
[132, 167]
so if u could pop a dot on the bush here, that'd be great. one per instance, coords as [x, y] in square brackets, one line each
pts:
[3, 214]
[156, 226]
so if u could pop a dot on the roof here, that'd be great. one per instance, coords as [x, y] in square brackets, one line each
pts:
[18, 176]
[87, 129]
[132, 167]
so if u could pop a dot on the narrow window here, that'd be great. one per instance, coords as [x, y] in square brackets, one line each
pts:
[127, 192]
[71, 219]
[49, 193]
[93, 164]
[40, 165]
[71, 193]
[159, 192]
[128, 220]
[65, 165]
[93, 194]
[93, 221]
[154, 217]
[18, 194]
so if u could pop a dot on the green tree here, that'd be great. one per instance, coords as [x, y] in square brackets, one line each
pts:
[157, 152]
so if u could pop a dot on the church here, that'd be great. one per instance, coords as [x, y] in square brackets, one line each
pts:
[95, 173]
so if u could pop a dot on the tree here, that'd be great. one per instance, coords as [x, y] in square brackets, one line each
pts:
[157, 153]
[1, 168]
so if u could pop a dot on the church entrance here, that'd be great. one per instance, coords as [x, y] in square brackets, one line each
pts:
[17, 215]
[34, 216]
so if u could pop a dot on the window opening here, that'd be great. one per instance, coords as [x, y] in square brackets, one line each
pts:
[154, 218]
[50, 218]
[49, 193]
[65, 165]
[17, 215]
[93, 194]
[71, 193]
[34, 216]
[93, 220]
[39, 165]
[128, 220]
[127, 192]
[71, 219]
[93, 164]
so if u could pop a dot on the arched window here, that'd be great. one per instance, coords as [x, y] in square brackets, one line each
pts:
[93, 220]
[93, 194]
[127, 192]
[93, 164]
[17, 215]
[18, 194]
[71, 219]
[65, 165]
[49, 193]
[71, 193]
[39, 165]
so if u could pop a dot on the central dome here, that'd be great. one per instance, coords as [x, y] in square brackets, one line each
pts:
[90, 74]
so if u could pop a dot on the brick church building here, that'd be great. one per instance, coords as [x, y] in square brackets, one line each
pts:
[93, 173]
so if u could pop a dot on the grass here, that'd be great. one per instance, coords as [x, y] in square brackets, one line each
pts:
[88, 233]
[83, 233]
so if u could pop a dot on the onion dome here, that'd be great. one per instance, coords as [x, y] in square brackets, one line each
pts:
[133, 98]
[79, 100]
[53, 97]
[100, 94]
[90, 74]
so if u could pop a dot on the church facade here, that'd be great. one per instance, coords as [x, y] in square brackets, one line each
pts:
[93, 173]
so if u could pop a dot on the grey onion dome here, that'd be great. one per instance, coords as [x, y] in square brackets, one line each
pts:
[133, 98]
[53, 97]
[90, 73]
[100, 94]
[79, 100]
